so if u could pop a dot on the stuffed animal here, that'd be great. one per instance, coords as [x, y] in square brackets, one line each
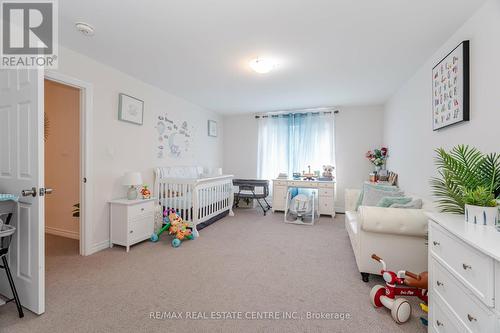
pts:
[328, 171]
[146, 193]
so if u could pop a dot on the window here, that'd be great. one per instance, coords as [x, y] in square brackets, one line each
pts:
[290, 143]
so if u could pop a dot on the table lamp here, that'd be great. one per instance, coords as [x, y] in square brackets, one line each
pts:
[132, 179]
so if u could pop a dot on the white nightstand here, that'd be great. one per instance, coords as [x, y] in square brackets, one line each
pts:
[131, 221]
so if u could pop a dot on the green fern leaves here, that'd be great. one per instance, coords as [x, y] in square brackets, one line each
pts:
[461, 172]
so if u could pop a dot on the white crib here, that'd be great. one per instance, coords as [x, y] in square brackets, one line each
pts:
[195, 197]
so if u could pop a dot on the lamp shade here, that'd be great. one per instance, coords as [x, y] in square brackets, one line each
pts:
[132, 178]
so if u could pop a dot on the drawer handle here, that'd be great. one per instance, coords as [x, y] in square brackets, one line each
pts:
[471, 318]
[439, 283]
[466, 267]
[142, 209]
[436, 243]
[131, 231]
[439, 323]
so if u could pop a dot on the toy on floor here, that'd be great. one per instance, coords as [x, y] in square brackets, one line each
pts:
[177, 227]
[386, 295]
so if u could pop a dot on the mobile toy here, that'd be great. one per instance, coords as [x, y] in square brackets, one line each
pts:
[175, 226]
[386, 295]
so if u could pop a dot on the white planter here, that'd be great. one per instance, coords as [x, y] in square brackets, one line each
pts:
[481, 215]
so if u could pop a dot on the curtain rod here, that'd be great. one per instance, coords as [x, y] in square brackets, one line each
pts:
[304, 111]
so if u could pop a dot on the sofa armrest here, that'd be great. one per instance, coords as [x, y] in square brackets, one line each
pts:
[351, 198]
[396, 221]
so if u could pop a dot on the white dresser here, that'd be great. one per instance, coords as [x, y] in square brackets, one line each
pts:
[131, 221]
[464, 275]
[326, 193]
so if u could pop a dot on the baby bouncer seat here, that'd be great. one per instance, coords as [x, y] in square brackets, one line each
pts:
[301, 207]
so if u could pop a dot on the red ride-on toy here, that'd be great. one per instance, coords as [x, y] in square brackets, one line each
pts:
[386, 296]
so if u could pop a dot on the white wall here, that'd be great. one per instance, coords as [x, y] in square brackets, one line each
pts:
[118, 146]
[240, 145]
[408, 114]
[357, 130]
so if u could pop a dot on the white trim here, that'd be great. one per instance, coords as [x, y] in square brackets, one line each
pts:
[86, 189]
[99, 247]
[62, 232]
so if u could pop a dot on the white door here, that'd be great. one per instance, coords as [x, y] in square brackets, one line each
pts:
[21, 168]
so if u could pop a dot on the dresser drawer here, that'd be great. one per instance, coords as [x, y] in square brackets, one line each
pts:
[140, 210]
[303, 184]
[326, 206]
[474, 315]
[442, 319]
[279, 182]
[470, 266]
[326, 185]
[325, 192]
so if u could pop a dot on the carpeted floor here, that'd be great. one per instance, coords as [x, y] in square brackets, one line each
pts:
[249, 263]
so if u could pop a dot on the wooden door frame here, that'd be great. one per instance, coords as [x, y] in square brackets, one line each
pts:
[86, 180]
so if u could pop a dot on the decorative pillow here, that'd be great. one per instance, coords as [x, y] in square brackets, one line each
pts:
[371, 196]
[367, 186]
[389, 201]
[414, 204]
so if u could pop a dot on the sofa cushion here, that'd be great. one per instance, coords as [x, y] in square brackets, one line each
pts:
[389, 201]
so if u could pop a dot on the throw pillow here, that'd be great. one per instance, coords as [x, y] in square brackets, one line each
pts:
[372, 196]
[388, 201]
[414, 204]
[368, 186]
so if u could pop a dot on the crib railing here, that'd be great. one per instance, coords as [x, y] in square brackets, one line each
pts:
[197, 200]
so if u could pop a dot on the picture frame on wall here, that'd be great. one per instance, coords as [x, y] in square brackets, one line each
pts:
[450, 88]
[130, 109]
[212, 128]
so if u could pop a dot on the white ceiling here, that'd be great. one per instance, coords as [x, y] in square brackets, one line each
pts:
[333, 52]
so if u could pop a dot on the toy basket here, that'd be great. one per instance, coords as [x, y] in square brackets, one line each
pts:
[6, 232]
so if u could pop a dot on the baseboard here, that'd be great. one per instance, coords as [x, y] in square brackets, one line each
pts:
[62, 233]
[99, 247]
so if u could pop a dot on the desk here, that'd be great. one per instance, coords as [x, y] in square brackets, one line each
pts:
[326, 193]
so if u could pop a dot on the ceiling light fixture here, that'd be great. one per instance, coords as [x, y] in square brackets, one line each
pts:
[263, 66]
[85, 28]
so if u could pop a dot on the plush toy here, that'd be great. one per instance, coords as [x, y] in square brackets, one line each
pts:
[328, 171]
[177, 227]
[146, 193]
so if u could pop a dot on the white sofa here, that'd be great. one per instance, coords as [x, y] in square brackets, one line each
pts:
[395, 234]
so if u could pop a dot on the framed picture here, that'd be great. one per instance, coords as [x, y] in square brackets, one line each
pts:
[212, 128]
[130, 109]
[450, 88]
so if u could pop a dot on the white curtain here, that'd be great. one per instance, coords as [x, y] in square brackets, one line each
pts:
[290, 143]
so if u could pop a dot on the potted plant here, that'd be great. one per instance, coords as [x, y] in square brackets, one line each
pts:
[480, 206]
[468, 183]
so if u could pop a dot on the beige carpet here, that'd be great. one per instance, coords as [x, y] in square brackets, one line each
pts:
[246, 263]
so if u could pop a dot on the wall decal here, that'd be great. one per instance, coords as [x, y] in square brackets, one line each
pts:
[174, 138]
[450, 88]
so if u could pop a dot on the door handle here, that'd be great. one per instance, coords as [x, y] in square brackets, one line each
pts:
[27, 193]
[44, 191]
